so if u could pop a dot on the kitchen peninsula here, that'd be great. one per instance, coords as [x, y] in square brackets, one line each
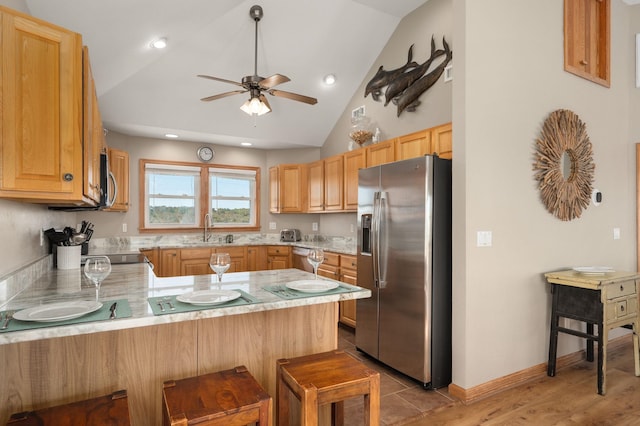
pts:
[55, 365]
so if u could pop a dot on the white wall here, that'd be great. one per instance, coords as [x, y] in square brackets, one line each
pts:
[434, 18]
[509, 77]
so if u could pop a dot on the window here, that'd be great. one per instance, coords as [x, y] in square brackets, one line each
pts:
[177, 196]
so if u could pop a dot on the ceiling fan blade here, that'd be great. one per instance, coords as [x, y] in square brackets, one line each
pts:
[222, 95]
[293, 96]
[221, 79]
[274, 80]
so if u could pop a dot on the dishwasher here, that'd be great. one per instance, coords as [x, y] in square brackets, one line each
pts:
[299, 258]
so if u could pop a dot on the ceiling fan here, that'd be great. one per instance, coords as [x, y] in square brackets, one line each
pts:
[256, 85]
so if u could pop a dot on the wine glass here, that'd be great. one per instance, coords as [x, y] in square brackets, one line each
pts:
[220, 262]
[315, 257]
[97, 268]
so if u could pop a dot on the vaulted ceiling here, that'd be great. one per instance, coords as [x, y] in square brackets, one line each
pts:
[148, 92]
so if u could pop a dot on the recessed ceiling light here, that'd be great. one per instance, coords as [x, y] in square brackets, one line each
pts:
[170, 135]
[245, 143]
[160, 43]
[329, 79]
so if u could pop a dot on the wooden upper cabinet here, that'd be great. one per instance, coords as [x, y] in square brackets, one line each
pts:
[587, 39]
[93, 134]
[41, 111]
[381, 153]
[333, 183]
[315, 184]
[119, 165]
[352, 162]
[442, 140]
[414, 145]
[287, 188]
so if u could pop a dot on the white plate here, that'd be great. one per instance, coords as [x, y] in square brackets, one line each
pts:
[312, 286]
[57, 311]
[208, 297]
[593, 270]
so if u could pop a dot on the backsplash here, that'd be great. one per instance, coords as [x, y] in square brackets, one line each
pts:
[12, 284]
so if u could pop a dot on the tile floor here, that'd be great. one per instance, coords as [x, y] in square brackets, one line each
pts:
[401, 399]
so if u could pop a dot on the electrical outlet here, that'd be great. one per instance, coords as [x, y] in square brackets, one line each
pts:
[616, 233]
[351, 228]
[314, 226]
[124, 227]
[484, 239]
[41, 237]
[272, 225]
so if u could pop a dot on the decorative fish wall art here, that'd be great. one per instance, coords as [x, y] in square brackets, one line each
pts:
[406, 84]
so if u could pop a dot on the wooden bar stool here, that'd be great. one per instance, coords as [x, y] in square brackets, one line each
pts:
[226, 398]
[329, 377]
[105, 410]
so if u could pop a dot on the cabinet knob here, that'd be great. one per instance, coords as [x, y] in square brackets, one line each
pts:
[621, 288]
[67, 177]
[622, 308]
[583, 62]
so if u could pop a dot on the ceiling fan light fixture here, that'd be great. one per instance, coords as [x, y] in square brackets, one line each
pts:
[255, 106]
[160, 43]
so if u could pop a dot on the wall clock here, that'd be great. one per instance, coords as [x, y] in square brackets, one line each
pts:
[206, 153]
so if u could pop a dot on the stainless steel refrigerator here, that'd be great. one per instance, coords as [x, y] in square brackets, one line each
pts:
[404, 258]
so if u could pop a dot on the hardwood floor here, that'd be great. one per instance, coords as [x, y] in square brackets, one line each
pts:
[569, 398]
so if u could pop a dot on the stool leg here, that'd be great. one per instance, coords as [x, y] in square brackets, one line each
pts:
[553, 334]
[309, 406]
[636, 347]
[372, 400]
[282, 397]
[337, 413]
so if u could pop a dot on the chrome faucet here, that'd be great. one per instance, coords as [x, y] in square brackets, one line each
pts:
[206, 235]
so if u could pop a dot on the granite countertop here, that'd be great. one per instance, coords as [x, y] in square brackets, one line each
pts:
[137, 282]
[134, 244]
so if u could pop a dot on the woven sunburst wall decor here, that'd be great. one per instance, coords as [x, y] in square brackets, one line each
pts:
[563, 133]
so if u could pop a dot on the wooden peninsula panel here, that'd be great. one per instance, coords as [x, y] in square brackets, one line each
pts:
[44, 373]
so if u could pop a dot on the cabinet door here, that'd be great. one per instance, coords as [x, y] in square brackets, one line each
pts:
[92, 132]
[349, 275]
[333, 186]
[315, 177]
[287, 183]
[169, 263]
[41, 111]
[238, 257]
[587, 39]
[353, 161]
[257, 258]
[413, 145]
[381, 153]
[278, 257]
[119, 165]
[274, 190]
[443, 140]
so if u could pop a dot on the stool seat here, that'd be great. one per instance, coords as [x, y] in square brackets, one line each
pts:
[105, 410]
[328, 377]
[225, 398]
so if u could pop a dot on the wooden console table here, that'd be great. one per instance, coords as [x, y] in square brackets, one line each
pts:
[607, 301]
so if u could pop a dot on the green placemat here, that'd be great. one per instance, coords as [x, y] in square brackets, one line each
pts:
[123, 310]
[288, 293]
[168, 301]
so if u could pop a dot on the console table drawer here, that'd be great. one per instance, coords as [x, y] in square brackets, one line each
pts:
[622, 308]
[624, 288]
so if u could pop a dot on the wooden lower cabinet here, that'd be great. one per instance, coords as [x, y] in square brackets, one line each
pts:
[349, 275]
[169, 263]
[278, 257]
[172, 262]
[330, 267]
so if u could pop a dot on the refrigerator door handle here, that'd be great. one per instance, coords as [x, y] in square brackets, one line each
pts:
[379, 248]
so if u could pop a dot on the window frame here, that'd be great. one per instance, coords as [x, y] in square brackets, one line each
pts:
[202, 198]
